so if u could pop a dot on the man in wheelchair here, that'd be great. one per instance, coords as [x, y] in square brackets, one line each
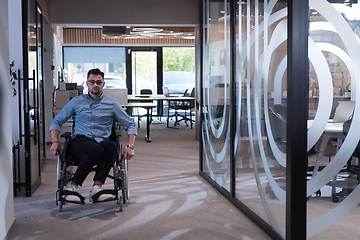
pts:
[94, 114]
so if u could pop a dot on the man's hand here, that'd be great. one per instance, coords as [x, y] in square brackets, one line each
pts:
[129, 153]
[55, 147]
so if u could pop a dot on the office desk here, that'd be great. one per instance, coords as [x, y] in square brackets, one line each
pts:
[158, 97]
[147, 106]
[332, 130]
[136, 101]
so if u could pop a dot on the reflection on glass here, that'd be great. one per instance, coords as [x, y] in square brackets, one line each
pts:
[216, 93]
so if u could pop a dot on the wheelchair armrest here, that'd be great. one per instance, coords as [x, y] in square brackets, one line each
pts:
[66, 135]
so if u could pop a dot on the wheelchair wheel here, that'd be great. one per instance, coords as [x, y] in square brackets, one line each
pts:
[60, 204]
[58, 172]
[59, 183]
[126, 180]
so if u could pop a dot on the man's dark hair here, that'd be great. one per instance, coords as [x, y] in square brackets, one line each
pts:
[95, 71]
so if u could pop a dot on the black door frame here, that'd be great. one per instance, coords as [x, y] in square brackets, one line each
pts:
[159, 60]
[159, 71]
[30, 186]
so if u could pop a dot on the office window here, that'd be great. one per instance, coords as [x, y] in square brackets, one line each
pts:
[179, 69]
[111, 60]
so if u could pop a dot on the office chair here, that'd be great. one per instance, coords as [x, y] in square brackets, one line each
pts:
[277, 117]
[187, 106]
[181, 105]
[120, 172]
[145, 92]
[352, 169]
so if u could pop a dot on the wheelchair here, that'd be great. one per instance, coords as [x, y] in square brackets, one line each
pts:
[66, 163]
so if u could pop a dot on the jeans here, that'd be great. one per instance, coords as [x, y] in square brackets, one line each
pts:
[92, 153]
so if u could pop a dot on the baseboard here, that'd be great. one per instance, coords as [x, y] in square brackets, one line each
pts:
[10, 229]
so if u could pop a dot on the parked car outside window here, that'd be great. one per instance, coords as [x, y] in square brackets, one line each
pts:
[178, 81]
[114, 82]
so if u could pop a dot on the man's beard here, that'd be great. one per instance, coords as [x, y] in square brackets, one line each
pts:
[95, 93]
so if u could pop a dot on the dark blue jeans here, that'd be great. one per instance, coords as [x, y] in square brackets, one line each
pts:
[92, 153]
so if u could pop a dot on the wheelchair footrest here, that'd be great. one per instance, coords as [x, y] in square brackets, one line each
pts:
[96, 196]
[66, 193]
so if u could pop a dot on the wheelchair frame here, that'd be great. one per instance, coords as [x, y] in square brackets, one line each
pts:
[120, 174]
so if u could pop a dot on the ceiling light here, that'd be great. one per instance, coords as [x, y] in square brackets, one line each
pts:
[188, 37]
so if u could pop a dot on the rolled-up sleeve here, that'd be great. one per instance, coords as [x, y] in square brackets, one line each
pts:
[124, 119]
[65, 113]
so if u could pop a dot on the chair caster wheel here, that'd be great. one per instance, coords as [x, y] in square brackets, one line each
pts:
[318, 193]
[335, 199]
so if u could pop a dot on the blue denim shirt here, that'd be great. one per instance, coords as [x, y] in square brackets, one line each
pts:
[94, 118]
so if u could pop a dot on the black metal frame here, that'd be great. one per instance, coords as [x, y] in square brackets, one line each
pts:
[29, 186]
[297, 75]
[297, 115]
[159, 59]
[159, 72]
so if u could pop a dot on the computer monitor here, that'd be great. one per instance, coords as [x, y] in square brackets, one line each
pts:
[166, 91]
[120, 94]
[344, 111]
[71, 86]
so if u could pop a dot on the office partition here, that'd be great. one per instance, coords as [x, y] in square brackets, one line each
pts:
[270, 70]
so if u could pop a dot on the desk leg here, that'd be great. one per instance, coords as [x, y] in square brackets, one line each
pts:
[147, 137]
[322, 147]
[167, 119]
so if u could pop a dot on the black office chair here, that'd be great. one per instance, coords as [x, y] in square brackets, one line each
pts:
[120, 172]
[352, 169]
[145, 92]
[187, 106]
[173, 105]
[182, 106]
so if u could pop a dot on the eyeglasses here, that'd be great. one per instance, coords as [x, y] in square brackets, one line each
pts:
[92, 82]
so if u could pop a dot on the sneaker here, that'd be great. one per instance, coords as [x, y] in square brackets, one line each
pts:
[103, 197]
[71, 198]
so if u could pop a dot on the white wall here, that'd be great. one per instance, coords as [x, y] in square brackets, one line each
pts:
[48, 78]
[6, 189]
[15, 52]
[15, 35]
[134, 12]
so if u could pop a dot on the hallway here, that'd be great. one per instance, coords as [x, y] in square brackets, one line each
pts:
[168, 199]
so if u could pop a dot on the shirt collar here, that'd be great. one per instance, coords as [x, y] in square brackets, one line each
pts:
[88, 96]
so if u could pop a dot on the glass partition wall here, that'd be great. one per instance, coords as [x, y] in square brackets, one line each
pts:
[279, 82]
[334, 57]
[247, 160]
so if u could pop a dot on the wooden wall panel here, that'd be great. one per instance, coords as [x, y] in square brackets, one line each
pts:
[94, 36]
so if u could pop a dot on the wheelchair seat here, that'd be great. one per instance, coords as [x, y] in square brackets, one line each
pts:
[120, 173]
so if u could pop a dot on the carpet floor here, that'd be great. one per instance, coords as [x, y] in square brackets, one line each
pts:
[168, 199]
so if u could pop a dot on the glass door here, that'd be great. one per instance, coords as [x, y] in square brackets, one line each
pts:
[144, 71]
[40, 93]
[34, 103]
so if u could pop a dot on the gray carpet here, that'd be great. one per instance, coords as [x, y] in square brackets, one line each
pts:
[168, 200]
